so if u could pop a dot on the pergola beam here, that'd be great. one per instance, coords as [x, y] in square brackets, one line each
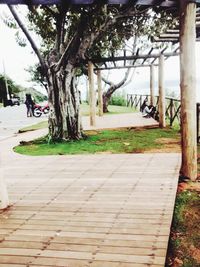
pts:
[148, 54]
[133, 57]
[124, 67]
[163, 3]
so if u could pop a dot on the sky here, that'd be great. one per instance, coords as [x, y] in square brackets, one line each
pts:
[13, 58]
[16, 59]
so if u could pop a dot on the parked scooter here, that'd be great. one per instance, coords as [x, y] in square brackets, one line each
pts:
[39, 110]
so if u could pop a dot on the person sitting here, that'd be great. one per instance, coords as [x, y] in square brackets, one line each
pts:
[144, 104]
[149, 111]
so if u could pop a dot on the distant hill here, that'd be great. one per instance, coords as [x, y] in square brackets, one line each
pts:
[7, 85]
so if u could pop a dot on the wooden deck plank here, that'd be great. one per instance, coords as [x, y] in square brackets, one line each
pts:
[116, 217]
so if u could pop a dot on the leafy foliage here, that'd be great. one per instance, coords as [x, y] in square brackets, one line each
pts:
[117, 99]
[108, 26]
[12, 87]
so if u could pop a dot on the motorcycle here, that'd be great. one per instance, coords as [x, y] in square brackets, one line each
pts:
[39, 110]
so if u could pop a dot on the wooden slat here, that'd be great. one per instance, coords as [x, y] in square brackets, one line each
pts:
[118, 215]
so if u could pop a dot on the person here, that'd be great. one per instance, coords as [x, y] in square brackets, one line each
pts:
[144, 104]
[29, 105]
[148, 110]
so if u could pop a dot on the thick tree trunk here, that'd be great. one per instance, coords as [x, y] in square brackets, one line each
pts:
[64, 117]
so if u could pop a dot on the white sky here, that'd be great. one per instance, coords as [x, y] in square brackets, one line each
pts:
[16, 59]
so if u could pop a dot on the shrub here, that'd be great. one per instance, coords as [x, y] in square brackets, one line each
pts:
[117, 100]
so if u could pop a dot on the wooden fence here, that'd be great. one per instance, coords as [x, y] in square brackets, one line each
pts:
[173, 108]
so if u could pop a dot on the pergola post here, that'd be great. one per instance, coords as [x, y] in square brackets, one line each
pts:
[152, 85]
[87, 90]
[162, 122]
[4, 201]
[100, 97]
[92, 101]
[188, 89]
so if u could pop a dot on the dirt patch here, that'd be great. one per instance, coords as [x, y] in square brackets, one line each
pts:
[104, 152]
[169, 145]
[189, 186]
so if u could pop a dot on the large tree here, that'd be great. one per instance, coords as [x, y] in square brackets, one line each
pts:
[70, 35]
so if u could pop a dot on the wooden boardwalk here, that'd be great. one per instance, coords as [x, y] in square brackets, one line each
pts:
[87, 210]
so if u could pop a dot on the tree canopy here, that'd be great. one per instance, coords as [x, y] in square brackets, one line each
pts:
[69, 36]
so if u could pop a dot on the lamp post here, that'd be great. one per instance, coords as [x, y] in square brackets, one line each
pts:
[6, 82]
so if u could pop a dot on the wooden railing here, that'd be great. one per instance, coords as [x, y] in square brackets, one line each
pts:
[173, 108]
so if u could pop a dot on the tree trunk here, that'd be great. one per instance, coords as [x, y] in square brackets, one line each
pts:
[64, 117]
[106, 99]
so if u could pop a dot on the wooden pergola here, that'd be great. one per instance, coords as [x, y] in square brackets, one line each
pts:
[150, 60]
[173, 34]
[188, 33]
[187, 38]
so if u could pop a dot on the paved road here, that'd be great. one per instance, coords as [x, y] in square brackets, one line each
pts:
[14, 118]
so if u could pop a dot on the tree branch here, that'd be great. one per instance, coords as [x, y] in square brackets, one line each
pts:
[50, 10]
[28, 36]
[114, 87]
[66, 53]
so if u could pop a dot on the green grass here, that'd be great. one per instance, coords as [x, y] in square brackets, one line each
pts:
[110, 141]
[184, 243]
[112, 109]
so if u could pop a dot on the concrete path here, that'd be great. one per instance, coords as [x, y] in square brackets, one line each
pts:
[14, 118]
[118, 121]
[87, 210]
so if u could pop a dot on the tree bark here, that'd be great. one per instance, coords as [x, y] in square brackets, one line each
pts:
[64, 116]
[106, 99]
[113, 87]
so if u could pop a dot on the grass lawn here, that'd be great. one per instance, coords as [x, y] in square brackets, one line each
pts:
[112, 109]
[37, 126]
[184, 245]
[109, 141]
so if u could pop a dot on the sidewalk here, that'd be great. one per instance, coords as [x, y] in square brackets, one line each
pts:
[87, 210]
